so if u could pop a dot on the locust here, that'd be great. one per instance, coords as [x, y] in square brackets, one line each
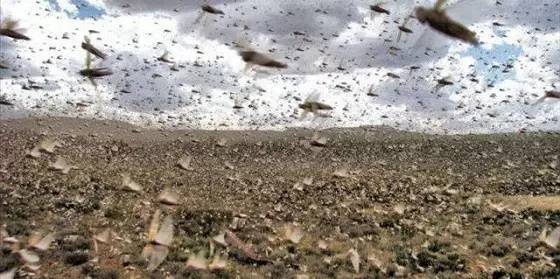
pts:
[9, 29]
[443, 82]
[378, 9]
[253, 57]
[312, 105]
[86, 44]
[404, 29]
[160, 238]
[548, 94]
[208, 9]
[438, 19]
[165, 58]
[211, 10]
[93, 73]
[4, 101]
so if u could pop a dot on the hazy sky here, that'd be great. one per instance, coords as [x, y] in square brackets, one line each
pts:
[336, 48]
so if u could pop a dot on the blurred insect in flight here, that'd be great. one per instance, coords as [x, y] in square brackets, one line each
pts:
[313, 106]
[8, 28]
[208, 9]
[86, 45]
[93, 73]
[548, 94]
[438, 19]
[253, 58]
[159, 240]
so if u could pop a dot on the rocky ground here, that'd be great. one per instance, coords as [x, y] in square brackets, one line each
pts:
[370, 203]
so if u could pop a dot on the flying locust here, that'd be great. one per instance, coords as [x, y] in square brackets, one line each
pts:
[438, 19]
[93, 73]
[9, 28]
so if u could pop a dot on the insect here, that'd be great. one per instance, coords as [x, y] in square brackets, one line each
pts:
[442, 82]
[185, 163]
[548, 94]
[438, 19]
[378, 9]
[168, 197]
[403, 28]
[4, 101]
[393, 50]
[248, 251]
[41, 243]
[312, 105]
[211, 10]
[208, 9]
[371, 92]
[62, 166]
[93, 73]
[129, 185]
[165, 57]
[86, 44]
[392, 75]
[551, 239]
[106, 236]
[413, 68]
[36, 243]
[159, 240]
[552, 94]
[8, 274]
[317, 140]
[252, 58]
[9, 28]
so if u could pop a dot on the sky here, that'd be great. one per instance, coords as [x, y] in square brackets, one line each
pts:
[337, 50]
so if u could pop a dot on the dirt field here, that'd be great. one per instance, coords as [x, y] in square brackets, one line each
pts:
[371, 203]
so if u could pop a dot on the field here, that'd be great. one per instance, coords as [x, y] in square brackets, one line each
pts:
[372, 202]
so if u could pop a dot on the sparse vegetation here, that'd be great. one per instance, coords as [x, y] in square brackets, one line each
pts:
[405, 204]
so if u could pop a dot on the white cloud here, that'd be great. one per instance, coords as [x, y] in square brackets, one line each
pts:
[67, 6]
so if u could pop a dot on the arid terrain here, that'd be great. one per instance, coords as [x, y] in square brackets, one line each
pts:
[371, 203]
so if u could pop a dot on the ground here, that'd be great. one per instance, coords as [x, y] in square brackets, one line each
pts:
[408, 204]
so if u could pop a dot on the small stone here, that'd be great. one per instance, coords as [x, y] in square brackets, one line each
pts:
[125, 259]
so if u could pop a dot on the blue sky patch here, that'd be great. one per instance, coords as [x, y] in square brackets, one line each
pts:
[85, 9]
[498, 56]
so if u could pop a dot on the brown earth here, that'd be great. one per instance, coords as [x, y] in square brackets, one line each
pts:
[411, 205]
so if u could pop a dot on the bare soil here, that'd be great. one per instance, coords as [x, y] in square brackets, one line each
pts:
[411, 205]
